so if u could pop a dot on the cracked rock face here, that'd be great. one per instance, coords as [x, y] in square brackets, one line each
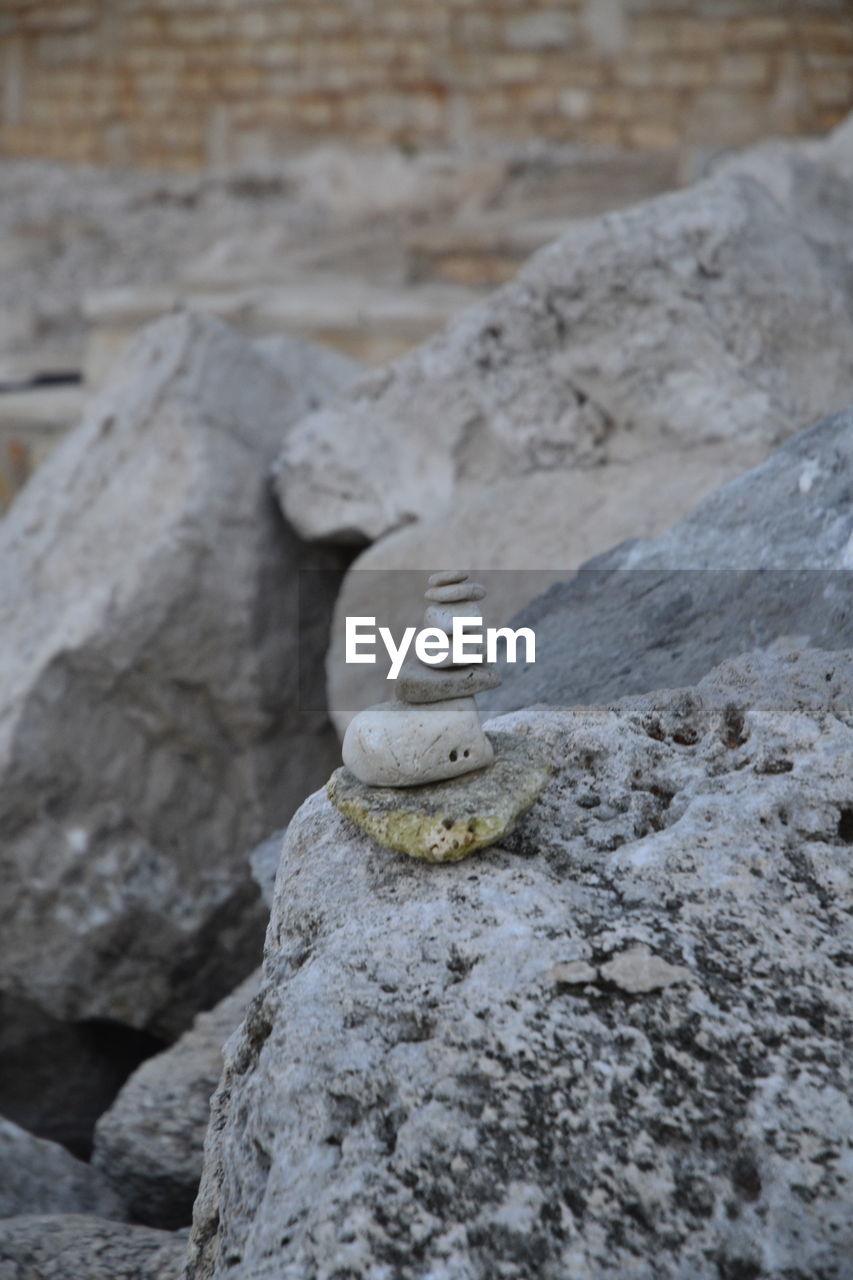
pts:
[151, 729]
[614, 1046]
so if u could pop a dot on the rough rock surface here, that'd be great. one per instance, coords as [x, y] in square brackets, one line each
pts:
[765, 561]
[77, 1247]
[555, 520]
[41, 1177]
[150, 1142]
[672, 324]
[446, 821]
[152, 724]
[614, 1047]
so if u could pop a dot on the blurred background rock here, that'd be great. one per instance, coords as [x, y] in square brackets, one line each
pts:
[354, 174]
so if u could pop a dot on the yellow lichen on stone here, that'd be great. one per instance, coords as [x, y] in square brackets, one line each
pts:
[433, 838]
[446, 821]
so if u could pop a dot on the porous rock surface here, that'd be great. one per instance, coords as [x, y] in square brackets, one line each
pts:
[149, 1144]
[41, 1177]
[672, 324]
[766, 561]
[152, 725]
[613, 1047]
[80, 1247]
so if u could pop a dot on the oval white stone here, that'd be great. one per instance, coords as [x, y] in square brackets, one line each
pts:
[395, 744]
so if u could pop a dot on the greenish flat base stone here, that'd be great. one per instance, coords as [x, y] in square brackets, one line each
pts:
[445, 821]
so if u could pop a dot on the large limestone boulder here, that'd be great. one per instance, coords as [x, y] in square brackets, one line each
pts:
[42, 1177]
[669, 325]
[149, 1144]
[80, 1247]
[764, 562]
[613, 1047]
[152, 723]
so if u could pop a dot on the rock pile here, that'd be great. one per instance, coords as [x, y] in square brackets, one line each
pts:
[432, 734]
[432, 730]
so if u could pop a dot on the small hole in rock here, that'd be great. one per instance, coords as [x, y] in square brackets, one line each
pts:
[845, 824]
[454, 755]
[466, 753]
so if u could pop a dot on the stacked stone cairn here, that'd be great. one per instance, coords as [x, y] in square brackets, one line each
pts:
[431, 731]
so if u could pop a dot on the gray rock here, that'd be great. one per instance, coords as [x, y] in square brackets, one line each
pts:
[66, 1247]
[812, 179]
[41, 1177]
[420, 683]
[315, 373]
[149, 1144]
[263, 861]
[764, 561]
[422, 1088]
[152, 724]
[673, 324]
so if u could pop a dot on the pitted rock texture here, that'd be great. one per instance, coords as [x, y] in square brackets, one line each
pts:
[617, 1046]
[149, 1144]
[766, 561]
[152, 727]
[670, 325]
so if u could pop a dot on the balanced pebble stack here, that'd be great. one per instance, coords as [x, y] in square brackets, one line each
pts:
[431, 730]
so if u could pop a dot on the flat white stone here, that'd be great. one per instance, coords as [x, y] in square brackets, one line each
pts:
[420, 683]
[456, 592]
[445, 577]
[395, 744]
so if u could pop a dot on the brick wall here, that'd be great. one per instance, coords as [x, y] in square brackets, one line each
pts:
[182, 83]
